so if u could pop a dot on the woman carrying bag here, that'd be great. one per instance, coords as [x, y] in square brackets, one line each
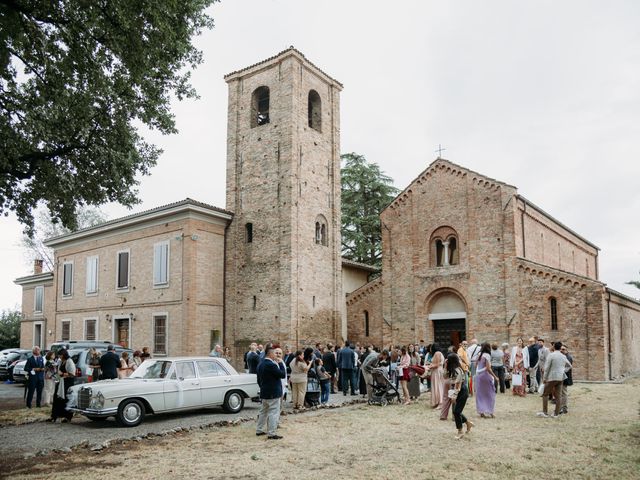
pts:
[519, 365]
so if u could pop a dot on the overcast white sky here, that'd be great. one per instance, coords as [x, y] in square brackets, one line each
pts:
[542, 95]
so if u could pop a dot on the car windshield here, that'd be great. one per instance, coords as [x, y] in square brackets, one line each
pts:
[152, 369]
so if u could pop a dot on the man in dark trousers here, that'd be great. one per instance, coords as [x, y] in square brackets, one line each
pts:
[347, 364]
[35, 369]
[109, 363]
[271, 371]
[329, 363]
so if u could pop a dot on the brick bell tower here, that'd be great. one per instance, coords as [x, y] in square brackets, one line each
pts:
[283, 253]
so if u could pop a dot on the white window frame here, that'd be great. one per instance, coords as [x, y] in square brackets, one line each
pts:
[39, 288]
[62, 322]
[92, 293]
[68, 295]
[128, 252]
[41, 340]
[166, 333]
[84, 327]
[164, 284]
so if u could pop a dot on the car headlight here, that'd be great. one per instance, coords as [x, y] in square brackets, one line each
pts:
[97, 401]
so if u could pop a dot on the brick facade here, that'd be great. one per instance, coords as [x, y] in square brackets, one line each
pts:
[283, 177]
[512, 259]
[191, 300]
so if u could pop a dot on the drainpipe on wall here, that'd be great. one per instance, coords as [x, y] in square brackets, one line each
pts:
[609, 352]
[224, 287]
[524, 246]
[390, 286]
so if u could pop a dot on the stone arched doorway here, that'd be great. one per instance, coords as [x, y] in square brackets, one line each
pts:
[447, 318]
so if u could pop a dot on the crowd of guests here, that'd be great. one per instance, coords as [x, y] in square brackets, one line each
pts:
[450, 376]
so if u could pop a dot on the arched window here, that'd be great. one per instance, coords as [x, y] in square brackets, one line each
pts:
[248, 230]
[366, 323]
[439, 253]
[315, 111]
[444, 247]
[260, 106]
[454, 258]
[321, 237]
[553, 305]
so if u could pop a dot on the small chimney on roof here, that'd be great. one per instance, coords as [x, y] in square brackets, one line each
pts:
[37, 266]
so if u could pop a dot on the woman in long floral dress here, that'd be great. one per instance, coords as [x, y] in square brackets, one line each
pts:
[519, 365]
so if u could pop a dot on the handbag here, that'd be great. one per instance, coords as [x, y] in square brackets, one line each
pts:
[516, 379]
[452, 393]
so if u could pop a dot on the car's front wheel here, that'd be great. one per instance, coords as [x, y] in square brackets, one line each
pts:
[130, 413]
[233, 402]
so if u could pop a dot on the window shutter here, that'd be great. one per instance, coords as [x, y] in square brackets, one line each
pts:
[92, 274]
[160, 263]
[67, 278]
[123, 269]
[39, 299]
[90, 330]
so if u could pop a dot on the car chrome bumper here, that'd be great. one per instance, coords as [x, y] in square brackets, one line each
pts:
[105, 412]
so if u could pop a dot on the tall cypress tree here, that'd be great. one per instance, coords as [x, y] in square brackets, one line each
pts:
[366, 190]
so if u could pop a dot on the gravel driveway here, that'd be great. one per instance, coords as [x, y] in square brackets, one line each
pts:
[35, 438]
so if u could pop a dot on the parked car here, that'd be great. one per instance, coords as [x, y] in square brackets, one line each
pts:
[75, 344]
[165, 385]
[19, 375]
[80, 356]
[8, 362]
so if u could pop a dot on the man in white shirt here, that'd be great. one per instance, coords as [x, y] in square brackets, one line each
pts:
[552, 378]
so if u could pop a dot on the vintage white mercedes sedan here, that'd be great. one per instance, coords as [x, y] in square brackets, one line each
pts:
[165, 385]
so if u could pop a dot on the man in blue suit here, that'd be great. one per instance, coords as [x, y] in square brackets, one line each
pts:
[271, 371]
[35, 369]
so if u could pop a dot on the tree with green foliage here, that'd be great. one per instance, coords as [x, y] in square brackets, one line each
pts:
[44, 228]
[366, 191]
[10, 328]
[77, 80]
[635, 283]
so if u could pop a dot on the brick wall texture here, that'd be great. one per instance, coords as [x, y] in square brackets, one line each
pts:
[513, 260]
[283, 177]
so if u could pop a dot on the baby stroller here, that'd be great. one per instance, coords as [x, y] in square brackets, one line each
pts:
[383, 390]
[312, 397]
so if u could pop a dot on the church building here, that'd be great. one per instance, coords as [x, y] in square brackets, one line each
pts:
[463, 255]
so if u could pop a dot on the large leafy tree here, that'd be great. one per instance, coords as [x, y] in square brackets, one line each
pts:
[77, 79]
[366, 190]
[636, 283]
[45, 228]
[10, 328]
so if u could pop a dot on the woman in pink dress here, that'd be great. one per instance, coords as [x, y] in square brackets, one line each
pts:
[519, 365]
[437, 379]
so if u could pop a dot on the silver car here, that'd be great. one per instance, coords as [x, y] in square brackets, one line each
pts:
[165, 385]
[19, 375]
